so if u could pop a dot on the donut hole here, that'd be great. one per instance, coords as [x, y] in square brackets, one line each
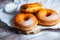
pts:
[24, 7]
[48, 14]
[27, 18]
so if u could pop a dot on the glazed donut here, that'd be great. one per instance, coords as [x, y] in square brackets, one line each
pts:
[47, 17]
[30, 8]
[24, 22]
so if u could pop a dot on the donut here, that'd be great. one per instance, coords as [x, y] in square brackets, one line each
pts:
[47, 17]
[24, 22]
[30, 8]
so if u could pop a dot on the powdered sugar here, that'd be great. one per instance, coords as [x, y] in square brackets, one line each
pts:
[52, 17]
[28, 22]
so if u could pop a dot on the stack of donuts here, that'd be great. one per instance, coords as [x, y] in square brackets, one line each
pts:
[32, 14]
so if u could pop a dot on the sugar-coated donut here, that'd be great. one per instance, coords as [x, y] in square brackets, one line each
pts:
[24, 22]
[31, 7]
[47, 17]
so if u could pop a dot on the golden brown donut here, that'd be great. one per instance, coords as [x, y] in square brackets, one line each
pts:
[24, 22]
[31, 7]
[47, 17]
